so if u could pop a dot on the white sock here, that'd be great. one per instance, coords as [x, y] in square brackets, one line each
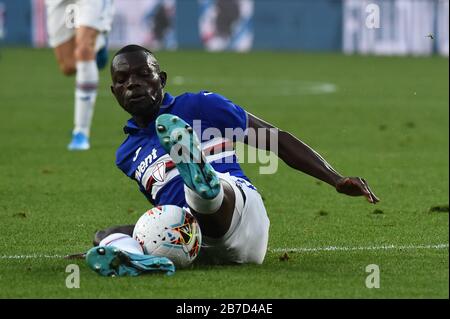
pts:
[202, 205]
[85, 95]
[123, 242]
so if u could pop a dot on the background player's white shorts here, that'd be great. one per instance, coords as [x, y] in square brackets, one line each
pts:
[246, 240]
[97, 14]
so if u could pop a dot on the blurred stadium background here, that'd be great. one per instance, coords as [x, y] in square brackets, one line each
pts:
[243, 25]
[368, 91]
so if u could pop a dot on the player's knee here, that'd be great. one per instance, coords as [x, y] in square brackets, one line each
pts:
[67, 68]
[84, 52]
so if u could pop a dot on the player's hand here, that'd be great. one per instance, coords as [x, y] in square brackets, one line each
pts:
[356, 186]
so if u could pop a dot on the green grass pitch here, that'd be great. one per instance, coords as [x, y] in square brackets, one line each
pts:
[383, 118]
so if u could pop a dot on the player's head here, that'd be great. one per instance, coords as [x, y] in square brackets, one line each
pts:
[137, 81]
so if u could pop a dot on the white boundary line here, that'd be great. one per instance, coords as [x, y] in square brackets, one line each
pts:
[35, 256]
[382, 247]
[277, 250]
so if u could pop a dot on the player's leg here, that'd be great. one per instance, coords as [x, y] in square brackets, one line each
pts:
[116, 253]
[247, 238]
[61, 36]
[214, 223]
[231, 213]
[86, 83]
[113, 261]
[98, 15]
[93, 21]
[102, 234]
[211, 199]
[65, 57]
[119, 237]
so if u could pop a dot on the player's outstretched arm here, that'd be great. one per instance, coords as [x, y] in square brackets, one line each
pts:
[301, 157]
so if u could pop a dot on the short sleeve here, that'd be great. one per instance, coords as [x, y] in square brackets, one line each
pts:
[219, 112]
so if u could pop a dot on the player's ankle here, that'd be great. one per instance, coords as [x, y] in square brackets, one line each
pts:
[84, 130]
[203, 205]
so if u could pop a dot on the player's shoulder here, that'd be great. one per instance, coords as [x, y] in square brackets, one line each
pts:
[209, 95]
[200, 95]
[209, 99]
[193, 97]
[193, 102]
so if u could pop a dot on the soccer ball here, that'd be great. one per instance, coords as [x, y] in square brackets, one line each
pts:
[169, 231]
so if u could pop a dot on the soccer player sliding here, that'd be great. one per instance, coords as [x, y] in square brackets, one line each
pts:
[177, 162]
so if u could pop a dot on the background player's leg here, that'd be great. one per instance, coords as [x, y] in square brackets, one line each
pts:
[65, 57]
[60, 37]
[86, 86]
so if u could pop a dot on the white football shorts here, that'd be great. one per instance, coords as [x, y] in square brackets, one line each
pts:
[246, 240]
[63, 16]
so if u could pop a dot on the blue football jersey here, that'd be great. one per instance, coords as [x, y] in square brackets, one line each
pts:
[217, 122]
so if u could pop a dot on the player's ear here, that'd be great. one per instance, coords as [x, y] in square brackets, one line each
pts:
[163, 77]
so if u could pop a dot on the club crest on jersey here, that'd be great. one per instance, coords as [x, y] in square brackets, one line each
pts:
[159, 172]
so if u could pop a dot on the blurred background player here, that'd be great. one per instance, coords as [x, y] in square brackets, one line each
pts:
[78, 31]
